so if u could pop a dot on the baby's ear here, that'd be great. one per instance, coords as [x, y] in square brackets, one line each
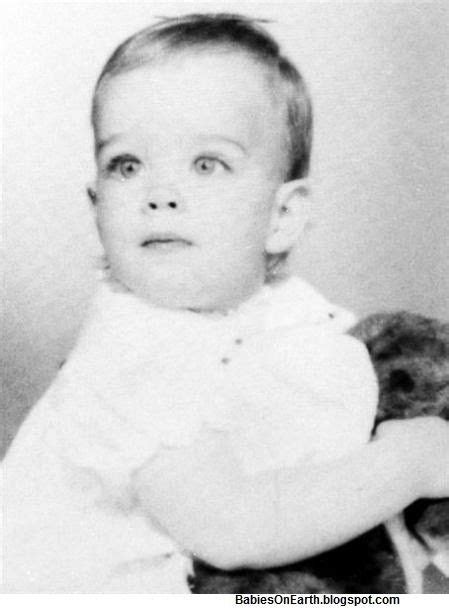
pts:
[290, 215]
[91, 193]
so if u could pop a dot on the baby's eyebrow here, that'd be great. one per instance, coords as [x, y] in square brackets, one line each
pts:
[100, 144]
[211, 138]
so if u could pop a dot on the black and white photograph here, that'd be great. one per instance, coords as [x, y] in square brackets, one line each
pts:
[225, 326]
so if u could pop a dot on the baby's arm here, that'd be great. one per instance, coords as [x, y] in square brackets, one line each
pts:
[202, 498]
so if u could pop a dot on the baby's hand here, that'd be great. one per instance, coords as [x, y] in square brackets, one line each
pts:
[424, 442]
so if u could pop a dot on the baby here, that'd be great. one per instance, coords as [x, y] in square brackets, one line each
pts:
[178, 426]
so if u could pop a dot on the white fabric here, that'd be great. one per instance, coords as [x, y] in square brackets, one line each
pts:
[278, 373]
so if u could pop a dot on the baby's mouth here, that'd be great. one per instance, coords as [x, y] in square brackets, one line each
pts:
[165, 242]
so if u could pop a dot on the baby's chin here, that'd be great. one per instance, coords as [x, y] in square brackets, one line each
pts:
[180, 294]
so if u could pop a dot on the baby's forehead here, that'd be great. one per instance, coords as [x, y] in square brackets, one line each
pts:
[211, 86]
[217, 59]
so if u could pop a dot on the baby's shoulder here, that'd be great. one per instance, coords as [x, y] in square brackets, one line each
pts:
[294, 301]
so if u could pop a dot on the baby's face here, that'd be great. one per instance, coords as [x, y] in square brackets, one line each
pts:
[189, 162]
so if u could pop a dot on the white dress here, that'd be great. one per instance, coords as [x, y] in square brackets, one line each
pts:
[278, 373]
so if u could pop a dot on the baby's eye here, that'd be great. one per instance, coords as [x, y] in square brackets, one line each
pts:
[126, 167]
[208, 165]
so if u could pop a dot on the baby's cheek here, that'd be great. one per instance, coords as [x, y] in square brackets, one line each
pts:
[113, 189]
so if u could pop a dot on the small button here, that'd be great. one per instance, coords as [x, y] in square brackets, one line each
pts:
[225, 360]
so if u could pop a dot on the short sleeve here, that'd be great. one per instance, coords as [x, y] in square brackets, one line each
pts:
[301, 394]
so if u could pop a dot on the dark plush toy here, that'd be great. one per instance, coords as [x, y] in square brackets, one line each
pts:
[410, 354]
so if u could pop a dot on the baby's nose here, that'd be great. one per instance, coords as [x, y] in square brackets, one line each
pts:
[163, 200]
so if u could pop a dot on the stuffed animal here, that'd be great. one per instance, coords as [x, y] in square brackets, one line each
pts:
[410, 354]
